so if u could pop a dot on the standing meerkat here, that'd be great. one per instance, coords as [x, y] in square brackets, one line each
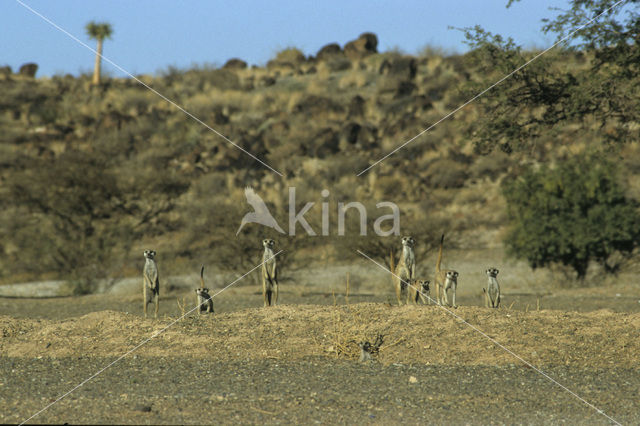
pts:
[492, 292]
[269, 274]
[151, 283]
[405, 272]
[204, 302]
[445, 279]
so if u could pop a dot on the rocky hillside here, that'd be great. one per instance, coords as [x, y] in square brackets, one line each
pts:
[92, 175]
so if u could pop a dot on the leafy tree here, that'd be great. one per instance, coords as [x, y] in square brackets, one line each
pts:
[602, 92]
[571, 214]
[79, 213]
[98, 31]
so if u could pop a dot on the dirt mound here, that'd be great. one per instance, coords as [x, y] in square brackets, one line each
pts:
[412, 334]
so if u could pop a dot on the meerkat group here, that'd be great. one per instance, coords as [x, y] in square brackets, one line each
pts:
[408, 288]
[204, 301]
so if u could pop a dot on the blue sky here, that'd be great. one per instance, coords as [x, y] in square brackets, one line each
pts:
[150, 35]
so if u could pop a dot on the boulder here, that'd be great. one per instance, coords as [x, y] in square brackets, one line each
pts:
[29, 69]
[235, 64]
[329, 51]
[290, 58]
[364, 45]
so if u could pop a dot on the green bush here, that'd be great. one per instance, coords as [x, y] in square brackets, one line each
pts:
[571, 214]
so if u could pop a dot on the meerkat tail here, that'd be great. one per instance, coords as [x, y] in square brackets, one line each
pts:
[391, 265]
[202, 277]
[440, 254]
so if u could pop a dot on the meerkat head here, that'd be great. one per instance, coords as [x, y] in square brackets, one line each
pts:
[452, 275]
[268, 243]
[408, 241]
[492, 272]
[150, 254]
[200, 291]
[422, 285]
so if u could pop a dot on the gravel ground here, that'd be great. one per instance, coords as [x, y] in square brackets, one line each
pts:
[450, 384]
[133, 391]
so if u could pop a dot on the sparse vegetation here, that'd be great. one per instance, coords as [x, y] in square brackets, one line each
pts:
[93, 178]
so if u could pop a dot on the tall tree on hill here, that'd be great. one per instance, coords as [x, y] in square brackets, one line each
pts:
[98, 31]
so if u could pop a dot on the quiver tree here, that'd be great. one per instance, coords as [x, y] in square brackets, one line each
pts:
[98, 31]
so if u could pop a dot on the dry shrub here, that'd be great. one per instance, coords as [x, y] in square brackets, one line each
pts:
[353, 80]
[386, 187]
[490, 166]
[133, 101]
[446, 174]
[222, 79]
[337, 64]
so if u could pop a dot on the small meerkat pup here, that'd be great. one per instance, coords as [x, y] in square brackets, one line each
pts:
[204, 302]
[492, 293]
[421, 292]
[151, 283]
[405, 271]
[445, 279]
[269, 274]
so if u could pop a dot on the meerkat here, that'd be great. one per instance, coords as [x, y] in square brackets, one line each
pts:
[405, 270]
[269, 274]
[151, 283]
[367, 349]
[421, 292]
[445, 279]
[492, 292]
[204, 302]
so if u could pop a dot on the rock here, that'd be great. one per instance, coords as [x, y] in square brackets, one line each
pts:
[291, 58]
[29, 69]
[329, 51]
[364, 45]
[235, 64]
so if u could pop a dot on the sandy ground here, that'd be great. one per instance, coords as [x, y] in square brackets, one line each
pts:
[299, 362]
